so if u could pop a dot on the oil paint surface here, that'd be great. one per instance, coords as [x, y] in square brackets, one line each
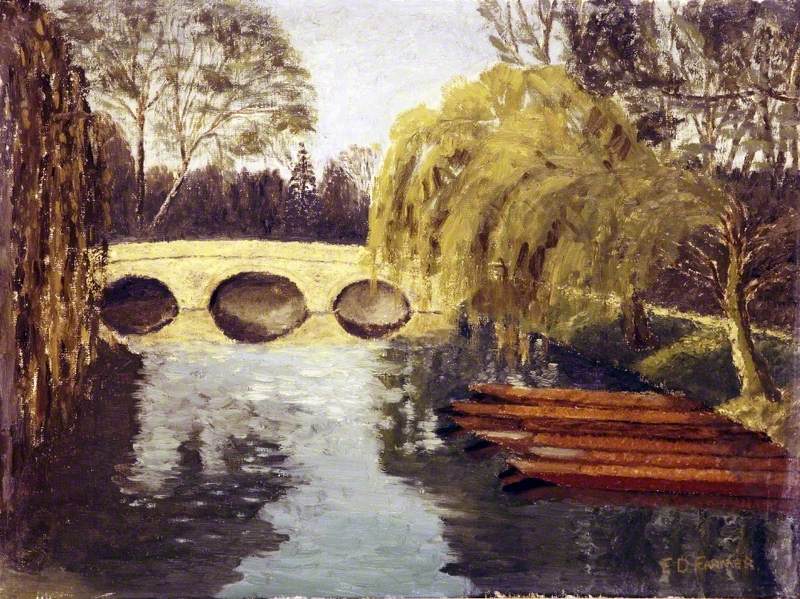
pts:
[433, 298]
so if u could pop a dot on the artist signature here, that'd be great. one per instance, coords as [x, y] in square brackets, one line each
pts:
[698, 564]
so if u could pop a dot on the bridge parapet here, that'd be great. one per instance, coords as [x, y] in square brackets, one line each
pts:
[193, 269]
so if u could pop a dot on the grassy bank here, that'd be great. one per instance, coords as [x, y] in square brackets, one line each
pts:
[692, 355]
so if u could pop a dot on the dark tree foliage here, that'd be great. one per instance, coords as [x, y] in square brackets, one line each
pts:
[616, 47]
[117, 175]
[303, 204]
[159, 181]
[605, 42]
[772, 203]
[345, 207]
[217, 203]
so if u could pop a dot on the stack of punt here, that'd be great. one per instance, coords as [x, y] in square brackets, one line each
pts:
[621, 441]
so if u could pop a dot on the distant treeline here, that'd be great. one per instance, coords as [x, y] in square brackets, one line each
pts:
[226, 203]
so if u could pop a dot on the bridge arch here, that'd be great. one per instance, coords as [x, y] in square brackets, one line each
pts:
[337, 285]
[218, 276]
[255, 307]
[137, 305]
[371, 308]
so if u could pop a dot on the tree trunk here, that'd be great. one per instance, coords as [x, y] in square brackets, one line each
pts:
[173, 193]
[747, 162]
[769, 132]
[794, 143]
[737, 140]
[754, 378]
[507, 337]
[636, 323]
[140, 174]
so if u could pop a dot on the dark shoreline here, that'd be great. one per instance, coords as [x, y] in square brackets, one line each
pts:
[49, 477]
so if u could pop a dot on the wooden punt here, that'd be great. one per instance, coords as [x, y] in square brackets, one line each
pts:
[650, 416]
[470, 424]
[580, 427]
[519, 446]
[752, 447]
[533, 490]
[770, 485]
[541, 436]
[623, 442]
[612, 399]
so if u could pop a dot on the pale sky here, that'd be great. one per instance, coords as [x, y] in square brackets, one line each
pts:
[372, 59]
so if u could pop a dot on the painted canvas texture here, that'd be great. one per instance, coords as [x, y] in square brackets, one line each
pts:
[381, 298]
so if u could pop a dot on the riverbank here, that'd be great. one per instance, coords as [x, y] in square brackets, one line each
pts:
[692, 355]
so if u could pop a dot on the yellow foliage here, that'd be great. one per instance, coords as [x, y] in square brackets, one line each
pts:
[523, 189]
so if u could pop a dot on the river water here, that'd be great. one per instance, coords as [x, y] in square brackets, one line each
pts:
[262, 470]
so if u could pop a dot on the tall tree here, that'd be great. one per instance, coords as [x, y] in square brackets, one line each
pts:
[120, 45]
[51, 245]
[302, 203]
[361, 163]
[340, 200]
[529, 181]
[750, 251]
[713, 85]
[116, 174]
[716, 85]
[232, 79]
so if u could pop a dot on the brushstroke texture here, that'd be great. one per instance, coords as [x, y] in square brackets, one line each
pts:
[49, 225]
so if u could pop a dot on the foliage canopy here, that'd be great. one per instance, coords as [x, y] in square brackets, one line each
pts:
[525, 198]
[217, 79]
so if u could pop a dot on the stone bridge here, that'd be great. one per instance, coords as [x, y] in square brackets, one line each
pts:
[221, 290]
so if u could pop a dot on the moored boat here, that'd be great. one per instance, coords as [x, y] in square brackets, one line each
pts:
[623, 442]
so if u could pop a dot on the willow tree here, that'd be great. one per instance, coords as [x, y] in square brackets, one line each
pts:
[530, 202]
[51, 246]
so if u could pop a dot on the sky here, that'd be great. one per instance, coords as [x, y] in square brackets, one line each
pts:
[373, 59]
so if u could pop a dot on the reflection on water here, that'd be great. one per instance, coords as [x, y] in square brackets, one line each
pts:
[242, 471]
[320, 407]
[507, 544]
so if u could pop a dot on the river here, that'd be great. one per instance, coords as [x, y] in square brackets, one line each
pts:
[260, 470]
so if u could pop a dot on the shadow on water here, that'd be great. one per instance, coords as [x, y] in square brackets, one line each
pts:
[88, 519]
[511, 545]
